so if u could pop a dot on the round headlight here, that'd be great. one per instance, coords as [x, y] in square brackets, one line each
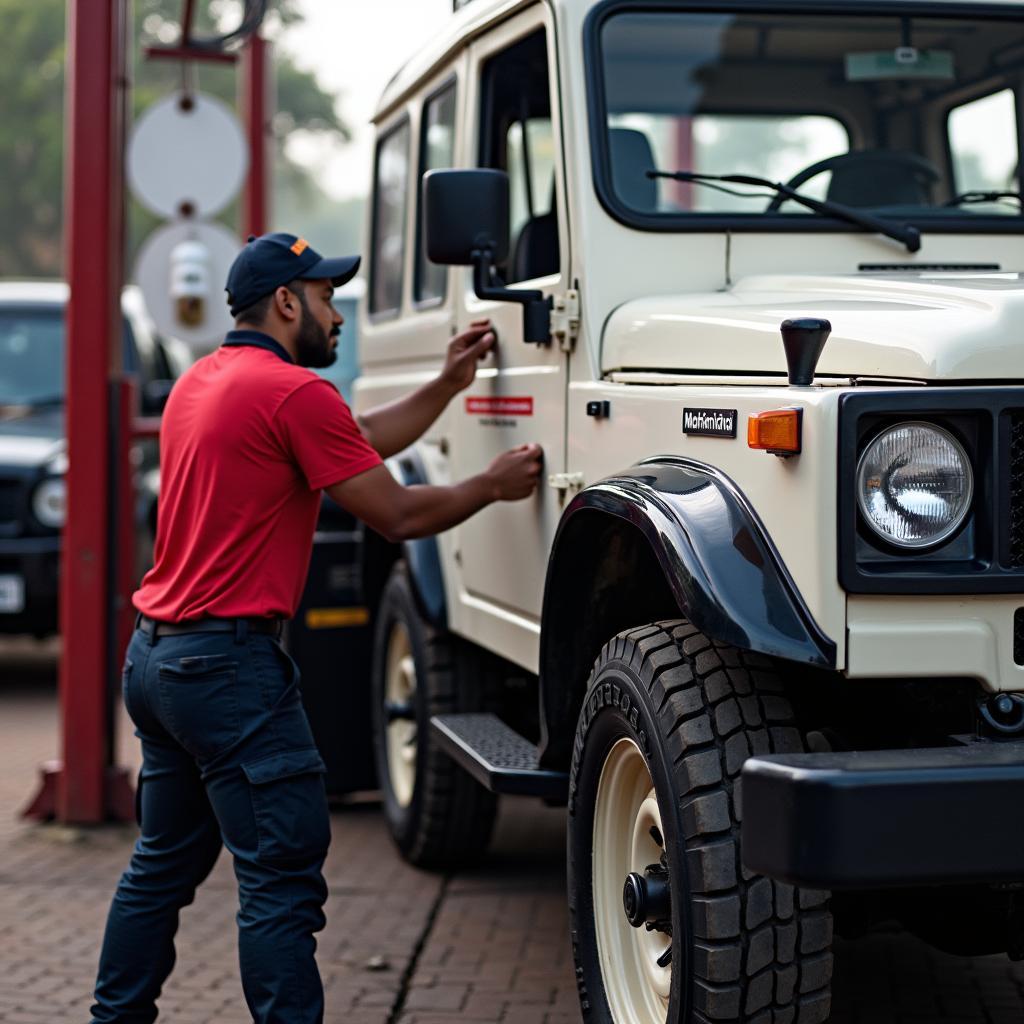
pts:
[914, 485]
[50, 502]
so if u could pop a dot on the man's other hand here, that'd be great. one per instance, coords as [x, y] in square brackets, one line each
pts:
[514, 474]
[464, 351]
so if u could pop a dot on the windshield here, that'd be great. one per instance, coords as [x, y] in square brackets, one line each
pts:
[914, 118]
[31, 356]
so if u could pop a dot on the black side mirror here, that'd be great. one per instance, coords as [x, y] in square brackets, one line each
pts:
[466, 223]
[466, 212]
[155, 395]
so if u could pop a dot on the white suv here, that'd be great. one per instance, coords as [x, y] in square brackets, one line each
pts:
[756, 273]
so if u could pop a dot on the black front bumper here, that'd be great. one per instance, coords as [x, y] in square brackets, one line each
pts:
[37, 561]
[887, 818]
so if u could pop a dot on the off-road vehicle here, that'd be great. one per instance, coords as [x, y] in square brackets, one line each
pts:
[755, 272]
[33, 448]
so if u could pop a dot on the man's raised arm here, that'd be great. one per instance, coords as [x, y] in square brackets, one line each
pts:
[402, 513]
[391, 428]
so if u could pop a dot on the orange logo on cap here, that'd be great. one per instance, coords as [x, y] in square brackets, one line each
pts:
[300, 247]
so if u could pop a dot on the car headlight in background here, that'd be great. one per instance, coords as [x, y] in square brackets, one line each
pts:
[50, 502]
[914, 485]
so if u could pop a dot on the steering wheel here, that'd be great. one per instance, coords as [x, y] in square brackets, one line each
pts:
[865, 160]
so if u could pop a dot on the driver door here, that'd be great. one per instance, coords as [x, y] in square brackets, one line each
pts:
[520, 392]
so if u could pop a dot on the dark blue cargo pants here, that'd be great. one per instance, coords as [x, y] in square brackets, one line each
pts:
[228, 757]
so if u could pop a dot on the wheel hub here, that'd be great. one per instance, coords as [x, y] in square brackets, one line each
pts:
[647, 899]
[628, 843]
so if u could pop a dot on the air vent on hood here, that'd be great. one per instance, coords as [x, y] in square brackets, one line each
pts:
[924, 268]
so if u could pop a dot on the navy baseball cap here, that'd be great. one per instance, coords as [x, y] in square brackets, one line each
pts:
[272, 260]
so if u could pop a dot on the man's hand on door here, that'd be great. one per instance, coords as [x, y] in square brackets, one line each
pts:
[465, 350]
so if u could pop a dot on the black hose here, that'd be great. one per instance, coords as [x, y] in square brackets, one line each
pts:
[253, 14]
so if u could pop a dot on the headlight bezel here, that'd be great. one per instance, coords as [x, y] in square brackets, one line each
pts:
[975, 560]
[44, 517]
[937, 540]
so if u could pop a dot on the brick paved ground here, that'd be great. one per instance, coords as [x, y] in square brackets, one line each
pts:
[487, 947]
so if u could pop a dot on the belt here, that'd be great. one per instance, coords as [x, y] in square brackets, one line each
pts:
[154, 629]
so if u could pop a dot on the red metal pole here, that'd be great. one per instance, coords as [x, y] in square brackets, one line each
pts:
[684, 158]
[94, 201]
[256, 111]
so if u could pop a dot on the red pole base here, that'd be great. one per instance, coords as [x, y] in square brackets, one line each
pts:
[118, 794]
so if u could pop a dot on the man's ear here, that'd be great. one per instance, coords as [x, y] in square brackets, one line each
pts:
[286, 303]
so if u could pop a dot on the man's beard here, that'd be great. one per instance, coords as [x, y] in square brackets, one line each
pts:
[313, 346]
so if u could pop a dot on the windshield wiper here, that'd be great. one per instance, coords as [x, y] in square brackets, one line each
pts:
[983, 197]
[42, 402]
[905, 233]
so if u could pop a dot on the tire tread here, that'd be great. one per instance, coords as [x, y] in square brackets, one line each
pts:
[761, 949]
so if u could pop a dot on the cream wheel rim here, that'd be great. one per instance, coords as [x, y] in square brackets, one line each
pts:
[627, 827]
[399, 711]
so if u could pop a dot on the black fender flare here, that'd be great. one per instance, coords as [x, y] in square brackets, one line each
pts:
[717, 559]
[422, 556]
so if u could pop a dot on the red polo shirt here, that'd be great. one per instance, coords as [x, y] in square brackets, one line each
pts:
[248, 441]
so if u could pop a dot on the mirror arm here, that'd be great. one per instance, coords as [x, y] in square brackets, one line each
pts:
[536, 306]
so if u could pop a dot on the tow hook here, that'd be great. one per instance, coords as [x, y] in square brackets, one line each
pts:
[1004, 712]
[647, 899]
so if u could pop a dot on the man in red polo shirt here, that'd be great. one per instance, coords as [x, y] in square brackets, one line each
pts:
[250, 438]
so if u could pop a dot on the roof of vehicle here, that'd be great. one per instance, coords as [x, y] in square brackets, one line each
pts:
[57, 292]
[464, 24]
[478, 15]
[47, 292]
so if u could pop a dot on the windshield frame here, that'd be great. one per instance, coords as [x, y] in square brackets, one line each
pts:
[774, 223]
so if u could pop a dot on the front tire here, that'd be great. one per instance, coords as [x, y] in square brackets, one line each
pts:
[655, 799]
[438, 815]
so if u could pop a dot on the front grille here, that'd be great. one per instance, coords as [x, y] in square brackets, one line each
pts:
[1016, 511]
[10, 502]
[1018, 636]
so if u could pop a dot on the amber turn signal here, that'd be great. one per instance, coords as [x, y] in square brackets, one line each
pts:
[777, 431]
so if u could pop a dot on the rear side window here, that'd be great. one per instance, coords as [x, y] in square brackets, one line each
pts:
[390, 199]
[437, 150]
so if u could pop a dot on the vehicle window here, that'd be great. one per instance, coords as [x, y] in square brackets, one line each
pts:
[437, 149]
[769, 146]
[847, 107]
[531, 170]
[978, 164]
[516, 137]
[31, 357]
[389, 212]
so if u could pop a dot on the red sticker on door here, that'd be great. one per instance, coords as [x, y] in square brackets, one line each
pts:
[503, 406]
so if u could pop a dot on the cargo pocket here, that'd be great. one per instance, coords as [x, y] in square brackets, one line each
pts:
[289, 803]
[199, 702]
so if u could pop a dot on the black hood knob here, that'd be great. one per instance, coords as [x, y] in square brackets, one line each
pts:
[803, 340]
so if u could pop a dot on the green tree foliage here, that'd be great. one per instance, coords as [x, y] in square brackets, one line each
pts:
[31, 116]
[31, 141]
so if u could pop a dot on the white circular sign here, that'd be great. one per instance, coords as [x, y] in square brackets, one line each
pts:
[181, 270]
[187, 157]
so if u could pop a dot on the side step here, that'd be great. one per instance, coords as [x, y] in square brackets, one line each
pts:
[497, 756]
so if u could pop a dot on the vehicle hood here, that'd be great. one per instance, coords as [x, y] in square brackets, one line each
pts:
[30, 437]
[926, 326]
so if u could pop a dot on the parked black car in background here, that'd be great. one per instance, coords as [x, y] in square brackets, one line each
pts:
[33, 448]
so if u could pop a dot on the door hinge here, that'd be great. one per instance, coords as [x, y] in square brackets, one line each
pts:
[565, 481]
[565, 319]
